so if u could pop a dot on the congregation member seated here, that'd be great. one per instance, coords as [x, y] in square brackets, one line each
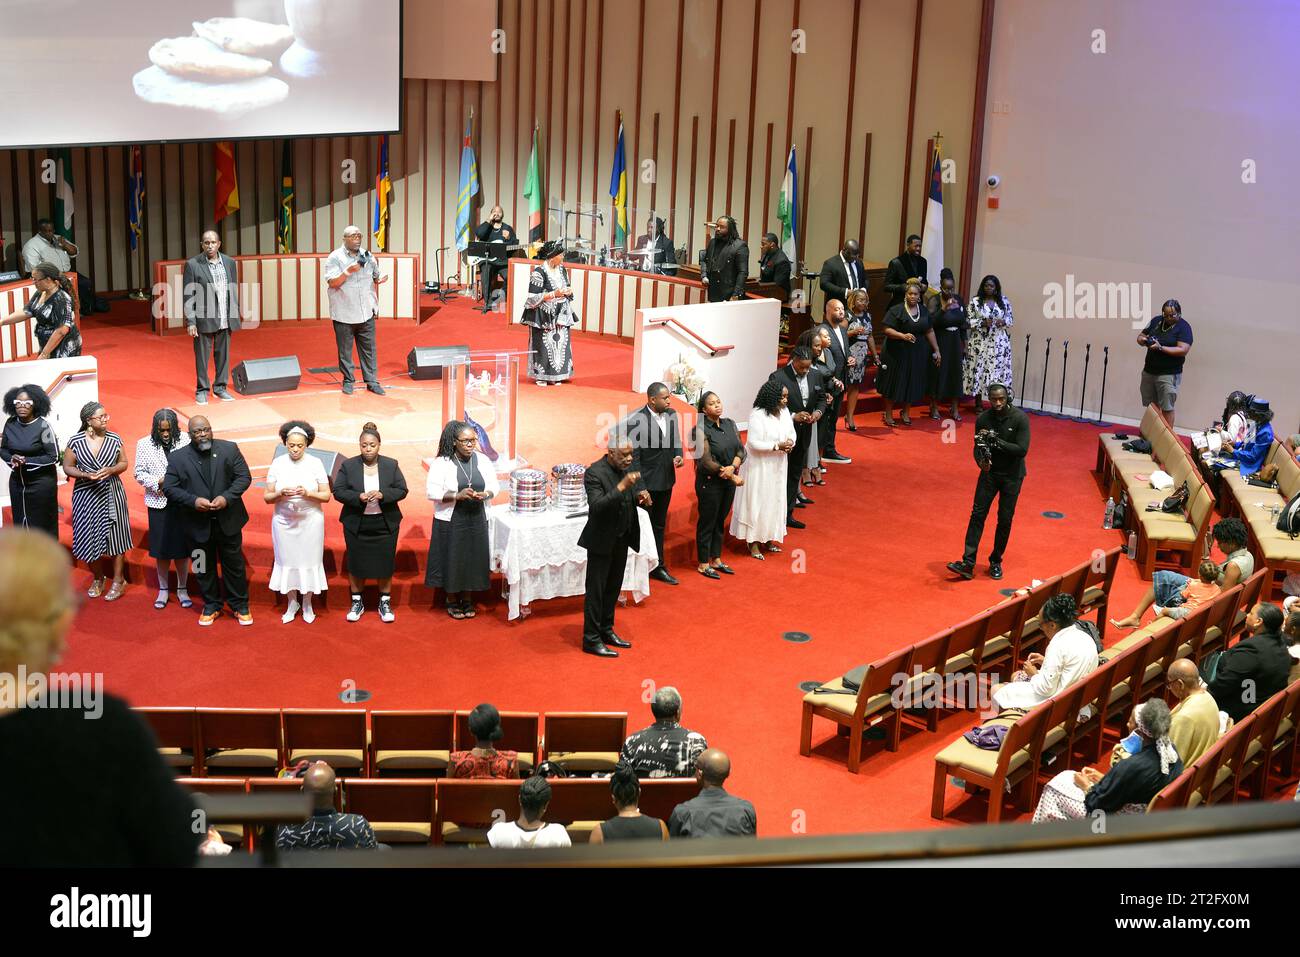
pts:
[1071, 656]
[327, 828]
[530, 830]
[665, 749]
[629, 823]
[1195, 593]
[1255, 668]
[1252, 451]
[1129, 786]
[85, 784]
[1291, 637]
[1166, 586]
[484, 760]
[1237, 426]
[713, 812]
[1196, 722]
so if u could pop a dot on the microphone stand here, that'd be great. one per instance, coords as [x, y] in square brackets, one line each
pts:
[1042, 398]
[1105, 364]
[1087, 354]
[1065, 362]
[1024, 366]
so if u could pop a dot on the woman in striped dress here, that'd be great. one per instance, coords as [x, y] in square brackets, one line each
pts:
[101, 526]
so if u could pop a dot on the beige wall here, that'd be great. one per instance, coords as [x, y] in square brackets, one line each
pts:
[557, 86]
[1127, 167]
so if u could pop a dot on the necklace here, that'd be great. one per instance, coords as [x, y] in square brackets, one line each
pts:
[910, 315]
[467, 476]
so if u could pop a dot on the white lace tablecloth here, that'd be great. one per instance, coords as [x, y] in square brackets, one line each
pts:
[539, 556]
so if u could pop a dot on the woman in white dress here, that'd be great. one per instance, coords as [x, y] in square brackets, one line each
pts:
[758, 517]
[548, 310]
[1071, 656]
[988, 341]
[298, 488]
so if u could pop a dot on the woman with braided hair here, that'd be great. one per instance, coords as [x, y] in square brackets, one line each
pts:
[462, 480]
[298, 487]
[101, 523]
[1071, 656]
[758, 518]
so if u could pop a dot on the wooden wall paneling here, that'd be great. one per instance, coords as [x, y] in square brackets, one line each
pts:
[582, 125]
[424, 165]
[441, 139]
[564, 103]
[634, 159]
[767, 176]
[513, 110]
[673, 200]
[911, 120]
[753, 109]
[731, 163]
[925, 182]
[34, 188]
[794, 64]
[848, 121]
[654, 156]
[595, 149]
[974, 165]
[690, 205]
[866, 187]
[10, 221]
[713, 110]
[807, 191]
[85, 231]
[109, 258]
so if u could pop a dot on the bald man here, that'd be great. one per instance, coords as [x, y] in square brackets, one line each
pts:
[211, 305]
[714, 812]
[326, 828]
[1195, 721]
[843, 273]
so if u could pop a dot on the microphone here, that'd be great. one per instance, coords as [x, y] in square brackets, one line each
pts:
[600, 216]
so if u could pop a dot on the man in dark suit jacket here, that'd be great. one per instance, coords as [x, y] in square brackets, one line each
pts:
[613, 527]
[656, 435]
[1255, 668]
[725, 262]
[664, 261]
[836, 329]
[909, 264]
[211, 303]
[207, 479]
[799, 378]
[773, 264]
[495, 230]
[843, 272]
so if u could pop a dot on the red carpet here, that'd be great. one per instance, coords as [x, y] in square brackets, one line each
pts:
[866, 576]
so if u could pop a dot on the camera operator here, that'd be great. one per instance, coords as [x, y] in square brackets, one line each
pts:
[353, 277]
[1001, 444]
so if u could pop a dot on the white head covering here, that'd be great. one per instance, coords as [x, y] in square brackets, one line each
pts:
[1164, 747]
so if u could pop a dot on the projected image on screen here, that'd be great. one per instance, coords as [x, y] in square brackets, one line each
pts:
[135, 71]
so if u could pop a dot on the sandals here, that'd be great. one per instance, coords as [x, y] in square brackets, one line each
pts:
[467, 609]
[455, 610]
[905, 420]
[774, 547]
[116, 591]
[185, 599]
[161, 601]
[96, 588]
[755, 552]
[888, 420]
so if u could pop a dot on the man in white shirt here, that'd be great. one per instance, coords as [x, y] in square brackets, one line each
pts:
[352, 275]
[1071, 656]
[48, 247]
[530, 831]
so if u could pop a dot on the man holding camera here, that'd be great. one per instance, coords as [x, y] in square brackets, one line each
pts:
[352, 275]
[1001, 444]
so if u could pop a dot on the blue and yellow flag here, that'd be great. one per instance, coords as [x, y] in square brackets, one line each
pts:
[135, 201]
[618, 190]
[468, 187]
[383, 196]
[284, 221]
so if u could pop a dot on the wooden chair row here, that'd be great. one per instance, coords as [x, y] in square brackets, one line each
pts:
[905, 679]
[254, 742]
[1279, 552]
[422, 811]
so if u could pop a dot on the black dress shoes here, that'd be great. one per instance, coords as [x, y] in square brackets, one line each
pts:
[962, 570]
[794, 523]
[661, 574]
[995, 571]
[708, 573]
[598, 649]
[614, 641]
[725, 569]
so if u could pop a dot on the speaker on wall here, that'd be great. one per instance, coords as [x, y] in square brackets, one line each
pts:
[256, 376]
[426, 362]
[332, 461]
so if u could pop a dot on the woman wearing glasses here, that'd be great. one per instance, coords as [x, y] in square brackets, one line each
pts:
[51, 307]
[462, 480]
[31, 449]
[101, 526]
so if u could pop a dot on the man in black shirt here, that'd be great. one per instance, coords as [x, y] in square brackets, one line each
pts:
[773, 264]
[495, 230]
[1001, 444]
[714, 812]
[725, 262]
[326, 828]
[665, 749]
[1255, 668]
[1167, 339]
[909, 264]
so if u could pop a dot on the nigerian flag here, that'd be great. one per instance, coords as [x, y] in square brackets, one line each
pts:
[64, 204]
[787, 209]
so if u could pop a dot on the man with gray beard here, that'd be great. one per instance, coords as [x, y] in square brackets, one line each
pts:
[207, 479]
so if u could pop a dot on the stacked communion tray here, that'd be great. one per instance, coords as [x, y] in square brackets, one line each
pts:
[528, 490]
[567, 491]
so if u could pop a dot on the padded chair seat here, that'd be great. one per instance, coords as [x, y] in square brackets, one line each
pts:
[1160, 529]
[244, 758]
[1280, 549]
[232, 834]
[845, 703]
[1092, 596]
[1115, 447]
[580, 831]
[1137, 637]
[334, 757]
[455, 834]
[585, 760]
[402, 832]
[1261, 522]
[176, 758]
[1031, 626]
[961, 756]
[1250, 497]
[393, 760]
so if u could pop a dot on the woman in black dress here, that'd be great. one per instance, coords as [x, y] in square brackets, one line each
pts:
[719, 453]
[948, 316]
[629, 824]
[370, 485]
[904, 379]
[31, 449]
[51, 307]
[462, 480]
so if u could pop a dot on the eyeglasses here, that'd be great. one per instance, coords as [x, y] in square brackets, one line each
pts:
[23, 402]
[102, 417]
[467, 440]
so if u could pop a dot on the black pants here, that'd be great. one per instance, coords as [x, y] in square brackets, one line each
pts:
[803, 436]
[228, 551]
[826, 425]
[363, 334]
[604, 582]
[1006, 489]
[86, 293]
[715, 497]
[659, 500]
[489, 271]
[212, 346]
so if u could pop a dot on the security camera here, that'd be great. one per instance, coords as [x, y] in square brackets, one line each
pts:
[994, 180]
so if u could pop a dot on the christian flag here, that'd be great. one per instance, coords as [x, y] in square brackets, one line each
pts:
[533, 193]
[223, 156]
[383, 196]
[468, 187]
[787, 209]
[618, 191]
[63, 194]
[135, 201]
[284, 230]
[932, 231]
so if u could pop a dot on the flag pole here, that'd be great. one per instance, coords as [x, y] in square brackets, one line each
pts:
[138, 294]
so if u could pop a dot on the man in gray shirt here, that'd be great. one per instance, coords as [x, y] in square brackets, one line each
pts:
[352, 275]
[211, 301]
[714, 812]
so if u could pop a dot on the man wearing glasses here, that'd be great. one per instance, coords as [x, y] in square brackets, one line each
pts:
[211, 313]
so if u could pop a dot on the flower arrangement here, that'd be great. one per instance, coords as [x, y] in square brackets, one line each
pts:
[685, 381]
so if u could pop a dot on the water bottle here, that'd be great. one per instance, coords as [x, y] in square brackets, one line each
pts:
[1133, 545]
[1109, 520]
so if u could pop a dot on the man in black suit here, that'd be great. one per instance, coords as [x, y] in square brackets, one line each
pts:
[664, 261]
[835, 327]
[725, 262]
[909, 264]
[207, 479]
[211, 302]
[495, 230]
[612, 528]
[773, 264]
[807, 403]
[656, 435]
[843, 272]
